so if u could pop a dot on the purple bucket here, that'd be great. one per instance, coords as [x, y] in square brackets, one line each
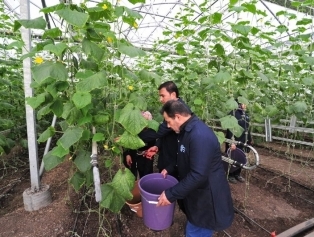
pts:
[151, 186]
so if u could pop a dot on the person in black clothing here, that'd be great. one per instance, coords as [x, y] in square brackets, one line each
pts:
[246, 138]
[133, 159]
[166, 144]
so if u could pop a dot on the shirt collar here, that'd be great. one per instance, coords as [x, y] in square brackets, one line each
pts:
[182, 127]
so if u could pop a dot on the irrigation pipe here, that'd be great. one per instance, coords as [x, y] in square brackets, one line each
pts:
[94, 163]
[227, 233]
[244, 215]
[42, 165]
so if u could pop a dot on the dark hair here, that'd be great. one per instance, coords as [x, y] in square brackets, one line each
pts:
[170, 87]
[173, 107]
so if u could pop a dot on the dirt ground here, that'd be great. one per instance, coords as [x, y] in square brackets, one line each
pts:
[271, 200]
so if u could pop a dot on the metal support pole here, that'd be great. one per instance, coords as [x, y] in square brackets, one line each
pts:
[268, 136]
[30, 113]
[293, 122]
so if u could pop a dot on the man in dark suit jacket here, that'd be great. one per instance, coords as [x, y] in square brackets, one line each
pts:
[202, 183]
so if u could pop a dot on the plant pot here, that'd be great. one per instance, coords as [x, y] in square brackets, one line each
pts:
[135, 203]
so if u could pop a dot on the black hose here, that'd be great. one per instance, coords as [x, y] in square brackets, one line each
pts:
[244, 215]
[119, 225]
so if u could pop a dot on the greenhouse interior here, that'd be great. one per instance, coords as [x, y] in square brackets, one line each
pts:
[78, 77]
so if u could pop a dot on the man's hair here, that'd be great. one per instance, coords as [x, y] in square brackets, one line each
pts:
[170, 86]
[173, 107]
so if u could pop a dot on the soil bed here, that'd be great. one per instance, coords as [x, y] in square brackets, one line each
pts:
[275, 197]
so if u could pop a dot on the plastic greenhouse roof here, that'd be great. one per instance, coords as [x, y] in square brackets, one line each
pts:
[164, 15]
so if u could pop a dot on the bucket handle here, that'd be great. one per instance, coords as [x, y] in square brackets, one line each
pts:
[150, 202]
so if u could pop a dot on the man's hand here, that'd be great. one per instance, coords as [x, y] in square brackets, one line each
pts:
[164, 173]
[151, 152]
[129, 160]
[162, 200]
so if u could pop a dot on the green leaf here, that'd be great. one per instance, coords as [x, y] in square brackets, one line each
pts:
[82, 161]
[138, 101]
[220, 136]
[119, 10]
[222, 76]
[132, 120]
[49, 132]
[71, 136]
[243, 100]
[77, 181]
[231, 104]
[136, 1]
[219, 50]
[6, 106]
[52, 33]
[98, 137]
[263, 77]
[59, 151]
[305, 21]
[282, 28]
[115, 194]
[131, 51]
[123, 181]
[49, 69]
[130, 141]
[216, 18]
[34, 102]
[271, 110]
[233, 2]
[153, 124]
[132, 13]
[198, 101]
[73, 17]
[242, 29]
[308, 81]
[51, 161]
[57, 49]
[70, 113]
[147, 76]
[231, 123]
[81, 99]
[95, 81]
[37, 23]
[57, 107]
[308, 60]
[249, 7]
[299, 107]
[92, 49]
[111, 199]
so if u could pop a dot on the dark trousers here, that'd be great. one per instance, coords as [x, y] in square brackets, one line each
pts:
[235, 173]
[140, 165]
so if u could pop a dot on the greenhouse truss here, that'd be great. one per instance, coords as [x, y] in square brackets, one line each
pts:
[161, 15]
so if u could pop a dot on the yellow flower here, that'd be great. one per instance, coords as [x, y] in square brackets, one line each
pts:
[109, 39]
[104, 7]
[135, 25]
[38, 60]
[106, 146]
[131, 88]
